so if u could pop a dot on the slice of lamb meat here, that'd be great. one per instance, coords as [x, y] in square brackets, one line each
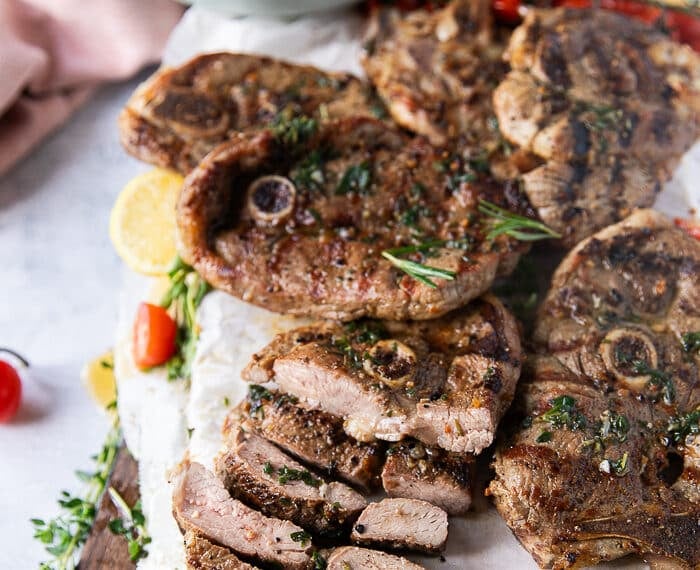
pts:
[262, 476]
[312, 436]
[416, 471]
[446, 382]
[180, 114]
[202, 554]
[355, 558]
[608, 103]
[306, 230]
[202, 505]
[606, 415]
[402, 524]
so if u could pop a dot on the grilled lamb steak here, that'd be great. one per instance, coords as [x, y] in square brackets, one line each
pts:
[312, 436]
[302, 230]
[437, 70]
[355, 558]
[202, 554]
[415, 471]
[202, 505]
[446, 382]
[402, 524]
[607, 102]
[262, 476]
[610, 408]
[180, 114]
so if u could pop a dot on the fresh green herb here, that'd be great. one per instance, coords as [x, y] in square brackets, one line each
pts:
[291, 130]
[309, 172]
[659, 381]
[301, 536]
[285, 474]
[357, 179]
[64, 535]
[618, 467]
[186, 291]
[680, 427]
[563, 413]
[257, 395]
[690, 341]
[418, 271]
[366, 331]
[267, 468]
[343, 346]
[107, 364]
[514, 225]
[613, 427]
[411, 216]
[131, 525]
[318, 560]
[544, 437]
[227, 402]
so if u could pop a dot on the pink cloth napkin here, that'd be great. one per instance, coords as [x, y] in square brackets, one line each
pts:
[53, 53]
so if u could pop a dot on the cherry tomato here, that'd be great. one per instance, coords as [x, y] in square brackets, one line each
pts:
[506, 10]
[10, 391]
[691, 228]
[684, 28]
[154, 336]
[638, 10]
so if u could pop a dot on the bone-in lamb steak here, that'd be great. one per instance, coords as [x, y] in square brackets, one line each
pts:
[311, 435]
[445, 381]
[608, 103]
[180, 114]
[202, 505]
[402, 524]
[262, 476]
[355, 558]
[604, 463]
[416, 471]
[305, 230]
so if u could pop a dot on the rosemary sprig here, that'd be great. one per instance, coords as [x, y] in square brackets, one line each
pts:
[514, 225]
[187, 289]
[63, 536]
[418, 271]
[131, 525]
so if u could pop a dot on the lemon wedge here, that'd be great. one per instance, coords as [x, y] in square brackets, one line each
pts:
[142, 222]
[98, 376]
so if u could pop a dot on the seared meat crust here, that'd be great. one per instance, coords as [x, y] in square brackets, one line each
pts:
[611, 406]
[311, 243]
[446, 382]
[202, 554]
[180, 114]
[610, 105]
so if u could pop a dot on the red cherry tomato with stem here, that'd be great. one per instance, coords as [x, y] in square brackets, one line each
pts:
[10, 387]
[507, 11]
[155, 333]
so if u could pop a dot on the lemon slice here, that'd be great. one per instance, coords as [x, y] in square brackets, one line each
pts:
[142, 222]
[98, 376]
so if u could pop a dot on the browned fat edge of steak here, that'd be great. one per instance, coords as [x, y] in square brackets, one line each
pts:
[365, 559]
[180, 114]
[415, 471]
[262, 476]
[310, 241]
[202, 554]
[203, 506]
[312, 436]
[402, 524]
[446, 382]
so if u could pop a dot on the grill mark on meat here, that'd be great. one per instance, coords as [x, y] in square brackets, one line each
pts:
[576, 494]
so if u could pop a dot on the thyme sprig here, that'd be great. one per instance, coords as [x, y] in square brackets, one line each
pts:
[63, 536]
[514, 225]
[418, 271]
[186, 291]
[131, 525]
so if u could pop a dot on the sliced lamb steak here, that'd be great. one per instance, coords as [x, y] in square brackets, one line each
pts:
[202, 554]
[416, 471]
[302, 230]
[312, 436]
[610, 408]
[355, 558]
[203, 506]
[402, 524]
[262, 476]
[608, 103]
[180, 114]
[446, 382]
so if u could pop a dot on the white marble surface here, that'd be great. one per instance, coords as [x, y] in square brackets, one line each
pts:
[58, 306]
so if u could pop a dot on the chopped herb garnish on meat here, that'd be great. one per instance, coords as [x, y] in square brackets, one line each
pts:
[613, 427]
[659, 382]
[309, 174]
[186, 291]
[544, 437]
[690, 341]
[267, 468]
[514, 225]
[418, 271]
[131, 525]
[367, 331]
[318, 560]
[257, 394]
[411, 216]
[680, 427]
[618, 467]
[343, 346]
[291, 130]
[301, 537]
[563, 413]
[285, 474]
[356, 179]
